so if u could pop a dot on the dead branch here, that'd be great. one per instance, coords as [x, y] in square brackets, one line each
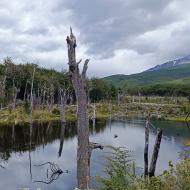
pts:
[96, 145]
[85, 67]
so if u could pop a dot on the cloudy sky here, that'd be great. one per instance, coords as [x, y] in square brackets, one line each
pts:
[119, 36]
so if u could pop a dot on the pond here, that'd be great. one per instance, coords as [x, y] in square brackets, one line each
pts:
[22, 154]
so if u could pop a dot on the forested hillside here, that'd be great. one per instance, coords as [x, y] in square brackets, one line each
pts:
[173, 80]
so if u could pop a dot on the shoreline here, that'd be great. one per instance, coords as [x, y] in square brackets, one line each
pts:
[103, 111]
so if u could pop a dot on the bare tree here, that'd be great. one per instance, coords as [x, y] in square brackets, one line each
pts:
[152, 167]
[25, 90]
[15, 93]
[146, 146]
[31, 94]
[31, 118]
[3, 83]
[155, 153]
[79, 83]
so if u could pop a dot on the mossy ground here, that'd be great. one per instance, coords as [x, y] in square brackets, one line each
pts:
[168, 108]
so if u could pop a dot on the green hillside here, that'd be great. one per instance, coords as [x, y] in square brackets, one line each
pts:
[179, 74]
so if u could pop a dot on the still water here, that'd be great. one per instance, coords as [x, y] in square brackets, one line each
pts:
[20, 152]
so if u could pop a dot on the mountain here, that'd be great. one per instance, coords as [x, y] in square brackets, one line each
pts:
[167, 73]
[173, 63]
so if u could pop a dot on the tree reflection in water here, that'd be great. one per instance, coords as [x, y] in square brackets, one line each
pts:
[28, 138]
[61, 138]
[53, 172]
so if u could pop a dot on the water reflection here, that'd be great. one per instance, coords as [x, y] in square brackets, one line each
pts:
[23, 146]
[61, 138]
[53, 172]
[21, 138]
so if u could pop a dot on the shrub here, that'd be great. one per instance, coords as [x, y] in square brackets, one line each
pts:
[27, 107]
[56, 111]
[120, 171]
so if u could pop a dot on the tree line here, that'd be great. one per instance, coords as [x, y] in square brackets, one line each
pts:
[16, 83]
[159, 90]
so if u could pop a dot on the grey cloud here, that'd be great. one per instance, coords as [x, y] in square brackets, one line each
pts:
[36, 30]
[178, 44]
[108, 25]
[48, 46]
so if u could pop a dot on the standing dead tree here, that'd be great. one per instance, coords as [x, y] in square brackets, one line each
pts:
[31, 118]
[63, 94]
[79, 83]
[156, 149]
[15, 93]
[31, 94]
[3, 82]
[152, 167]
[146, 146]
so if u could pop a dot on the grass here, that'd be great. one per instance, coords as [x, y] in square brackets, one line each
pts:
[19, 116]
[177, 118]
[168, 108]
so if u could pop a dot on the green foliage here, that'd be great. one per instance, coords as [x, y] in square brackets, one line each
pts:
[167, 81]
[119, 169]
[56, 111]
[186, 108]
[26, 107]
[1, 100]
[20, 77]
[101, 90]
[164, 75]
[47, 81]
[120, 172]
[188, 98]
[175, 179]
[10, 109]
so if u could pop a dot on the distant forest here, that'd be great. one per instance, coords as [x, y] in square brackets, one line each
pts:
[16, 79]
[171, 81]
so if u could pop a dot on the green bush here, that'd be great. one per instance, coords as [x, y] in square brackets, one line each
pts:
[186, 108]
[26, 107]
[56, 111]
[120, 171]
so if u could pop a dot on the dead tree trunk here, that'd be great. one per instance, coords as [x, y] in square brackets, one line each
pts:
[31, 120]
[2, 87]
[155, 153]
[31, 95]
[25, 90]
[146, 146]
[16, 91]
[63, 101]
[51, 97]
[79, 83]
[187, 116]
